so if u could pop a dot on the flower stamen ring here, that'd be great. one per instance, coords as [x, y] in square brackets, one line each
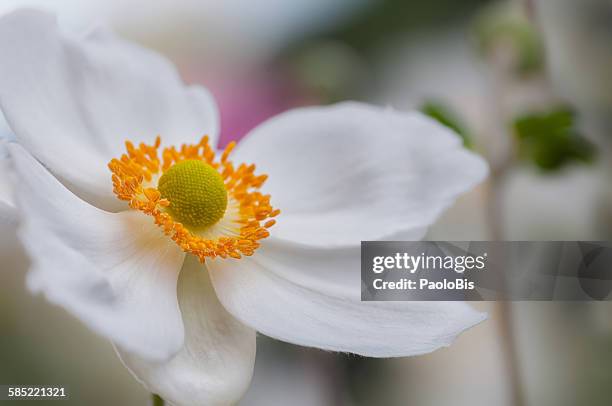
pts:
[206, 205]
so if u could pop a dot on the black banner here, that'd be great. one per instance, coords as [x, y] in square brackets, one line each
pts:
[486, 270]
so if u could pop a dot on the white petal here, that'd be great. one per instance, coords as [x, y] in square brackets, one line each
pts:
[353, 172]
[72, 100]
[8, 213]
[215, 365]
[307, 296]
[115, 271]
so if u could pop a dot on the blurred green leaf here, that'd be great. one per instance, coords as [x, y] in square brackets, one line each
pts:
[505, 24]
[446, 117]
[550, 140]
[381, 21]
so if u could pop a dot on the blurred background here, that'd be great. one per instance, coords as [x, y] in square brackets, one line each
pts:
[527, 84]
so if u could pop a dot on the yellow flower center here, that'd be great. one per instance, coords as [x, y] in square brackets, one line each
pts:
[196, 193]
[209, 207]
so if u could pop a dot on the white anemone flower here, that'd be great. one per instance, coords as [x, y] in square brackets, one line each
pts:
[170, 250]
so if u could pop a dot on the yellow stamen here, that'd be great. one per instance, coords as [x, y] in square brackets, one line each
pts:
[183, 193]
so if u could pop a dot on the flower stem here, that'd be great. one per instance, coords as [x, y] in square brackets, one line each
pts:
[156, 400]
[510, 352]
[504, 307]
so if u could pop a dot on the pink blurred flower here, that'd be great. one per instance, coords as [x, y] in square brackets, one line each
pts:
[247, 100]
